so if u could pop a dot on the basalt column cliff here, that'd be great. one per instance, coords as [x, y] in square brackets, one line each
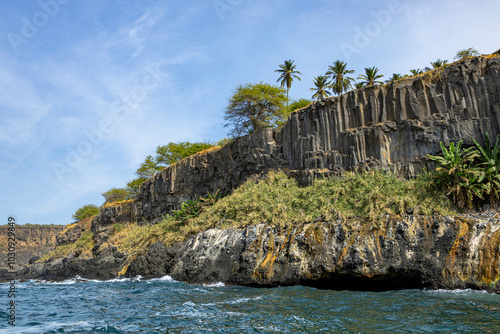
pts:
[392, 126]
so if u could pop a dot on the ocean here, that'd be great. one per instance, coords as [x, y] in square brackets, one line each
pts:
[167, 306]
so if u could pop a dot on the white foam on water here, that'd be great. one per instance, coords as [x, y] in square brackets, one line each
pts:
[215, 285]
[457, 291]
[166, 278]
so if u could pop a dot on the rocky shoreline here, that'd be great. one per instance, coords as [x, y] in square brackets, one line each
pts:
[398, 253]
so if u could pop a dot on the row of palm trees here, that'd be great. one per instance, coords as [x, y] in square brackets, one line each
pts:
[336, 80]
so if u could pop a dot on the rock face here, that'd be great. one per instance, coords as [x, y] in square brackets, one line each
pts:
[397, 124]
[105, 266]
[34, 240]
[392, 126]
[402, 252]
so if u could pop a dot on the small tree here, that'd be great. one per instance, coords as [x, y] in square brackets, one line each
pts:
[467, 53]
[134, 187]
[167, 155]
[341, 82]
[416, 71]
[288, 73]
[85, 211]
[149, 167]
[253, 107]
[395, 77]
[171, 153]
[115, 195]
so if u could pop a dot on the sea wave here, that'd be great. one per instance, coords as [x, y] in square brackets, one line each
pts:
[457, 291]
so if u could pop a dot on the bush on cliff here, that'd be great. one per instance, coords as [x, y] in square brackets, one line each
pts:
[85, 211]
[469, 175]
[115, 195]
[253, 107]
[167, 155]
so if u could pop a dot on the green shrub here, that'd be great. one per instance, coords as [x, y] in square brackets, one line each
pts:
[85, 211]
[469, 175]
[116, 195]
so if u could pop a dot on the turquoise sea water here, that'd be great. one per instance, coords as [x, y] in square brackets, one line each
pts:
[166, 306]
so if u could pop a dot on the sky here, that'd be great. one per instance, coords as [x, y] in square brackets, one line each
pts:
[89, 88]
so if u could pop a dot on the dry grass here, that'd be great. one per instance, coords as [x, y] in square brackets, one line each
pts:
[118, 203]
[82, 247]
[205, 151]
[278, 200]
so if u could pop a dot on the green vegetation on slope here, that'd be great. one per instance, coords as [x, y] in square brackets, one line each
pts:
[82, 247]
[470, 175]
[279, 200]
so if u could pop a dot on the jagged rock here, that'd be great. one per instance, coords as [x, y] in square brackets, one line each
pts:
[101, 268]
[73, 232]
[408, 252]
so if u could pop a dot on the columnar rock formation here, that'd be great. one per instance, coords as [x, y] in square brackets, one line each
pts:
[392, 126]
[397, 124]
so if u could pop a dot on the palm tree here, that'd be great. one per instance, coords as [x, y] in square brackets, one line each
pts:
[439, 63]
[416, 72]
[340, 81]
[395, 76]
[490, 165]
[321, 83]
[288, 73]
[456, 174]
[370, 77]
[359, 85]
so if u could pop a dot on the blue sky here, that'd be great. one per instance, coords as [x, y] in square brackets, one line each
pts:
[89, 88]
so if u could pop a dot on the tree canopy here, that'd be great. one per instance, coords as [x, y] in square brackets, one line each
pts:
[253, 107]
[85, 211]
[167, 155]
[466, 53]
[341, 82]
[371, 76]
[116, 195]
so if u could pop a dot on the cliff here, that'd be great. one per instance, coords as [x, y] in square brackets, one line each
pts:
[403, 252]
[32, 241]
[390, 127]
